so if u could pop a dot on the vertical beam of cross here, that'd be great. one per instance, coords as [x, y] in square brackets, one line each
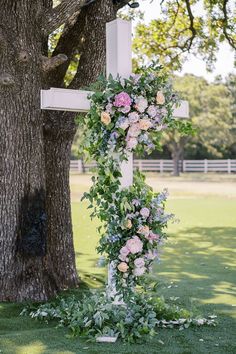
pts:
[119, 62]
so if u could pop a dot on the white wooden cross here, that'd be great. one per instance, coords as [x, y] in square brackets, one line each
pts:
[118, 61]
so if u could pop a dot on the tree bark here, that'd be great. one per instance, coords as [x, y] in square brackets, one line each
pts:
[36, 241]
[23, 227]
[176, 159]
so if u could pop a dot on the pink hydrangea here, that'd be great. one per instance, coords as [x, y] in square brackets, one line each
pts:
[122, 100]
[145, 212]
[134, 245]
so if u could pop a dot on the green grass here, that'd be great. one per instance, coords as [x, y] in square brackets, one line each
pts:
[197, 268]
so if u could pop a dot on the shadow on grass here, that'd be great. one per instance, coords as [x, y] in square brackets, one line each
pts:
[202, 265]
[198, 268]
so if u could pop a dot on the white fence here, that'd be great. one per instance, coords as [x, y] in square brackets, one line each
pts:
[161, 166]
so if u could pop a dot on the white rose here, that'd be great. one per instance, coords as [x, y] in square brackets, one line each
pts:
[141, 104]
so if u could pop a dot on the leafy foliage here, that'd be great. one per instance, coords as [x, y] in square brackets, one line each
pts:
[186, 26]
[96, 315]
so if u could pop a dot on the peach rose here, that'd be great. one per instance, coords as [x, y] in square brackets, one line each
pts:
[145, 124]
[144, 230]
[105, 118]
[128, 224]
[123, 267]
[160, 98]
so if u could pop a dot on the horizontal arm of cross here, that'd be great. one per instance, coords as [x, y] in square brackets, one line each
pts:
[77, 101]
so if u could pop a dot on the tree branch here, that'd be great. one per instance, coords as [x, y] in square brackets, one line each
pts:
[191, 26]
[49, 64]
[225, 25]
[60, 14]
[75, 35]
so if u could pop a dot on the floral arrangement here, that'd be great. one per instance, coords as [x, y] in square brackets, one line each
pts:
[128, 115]
[134, 232]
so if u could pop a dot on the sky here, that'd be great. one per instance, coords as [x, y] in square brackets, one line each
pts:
[196, 66]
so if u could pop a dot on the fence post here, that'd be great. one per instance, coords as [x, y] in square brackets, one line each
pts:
[184, 166]
[79, 166]
[140, 165]
[161, 166]
[229, 165]
[205, 166]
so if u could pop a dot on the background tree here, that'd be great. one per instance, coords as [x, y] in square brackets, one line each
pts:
[186, 26]
[210, 114]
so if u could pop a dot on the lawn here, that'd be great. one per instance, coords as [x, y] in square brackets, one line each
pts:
[197, 271]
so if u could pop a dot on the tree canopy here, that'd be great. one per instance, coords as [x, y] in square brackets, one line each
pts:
[186, 26]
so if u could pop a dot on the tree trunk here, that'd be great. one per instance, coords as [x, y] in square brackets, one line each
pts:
[59, 131]
[176, 159]
[36, 242]
[23, 228]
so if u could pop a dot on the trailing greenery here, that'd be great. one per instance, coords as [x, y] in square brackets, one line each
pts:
[96, 315]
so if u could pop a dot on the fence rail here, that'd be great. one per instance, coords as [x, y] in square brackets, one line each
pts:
[228, 166]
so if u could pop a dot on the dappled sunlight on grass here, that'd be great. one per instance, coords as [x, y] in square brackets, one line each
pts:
[32, 348]
[197, 271]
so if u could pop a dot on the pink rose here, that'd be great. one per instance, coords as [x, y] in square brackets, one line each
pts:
[152, 111]
[134, 245]
[125, 109]
[131, 143]
[124, 251]
[122, 100]
[139, 271]
[145, 212]
[134, 130]
[139, 262]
